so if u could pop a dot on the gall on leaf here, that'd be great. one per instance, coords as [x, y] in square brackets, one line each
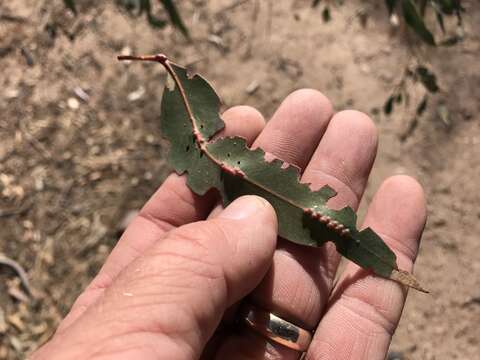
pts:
[189, 120]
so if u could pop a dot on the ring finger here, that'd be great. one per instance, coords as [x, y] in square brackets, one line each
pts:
[300, 280]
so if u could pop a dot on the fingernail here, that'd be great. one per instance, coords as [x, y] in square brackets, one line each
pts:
[244, 207]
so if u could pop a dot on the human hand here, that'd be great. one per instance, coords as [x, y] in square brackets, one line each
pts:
[173, 278]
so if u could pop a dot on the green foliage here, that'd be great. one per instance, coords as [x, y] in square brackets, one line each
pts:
[414, 13]
[391, 5]
[415, 21]
[174, 16]
[422, 106]
[427, 78]
[70, 4]
[139, 8]
[189, 120]
[326, 14]
[326, 11]
[421, 74]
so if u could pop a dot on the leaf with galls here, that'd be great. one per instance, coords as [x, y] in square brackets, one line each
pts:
[190, 119]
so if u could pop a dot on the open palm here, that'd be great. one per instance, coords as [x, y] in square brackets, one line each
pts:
[131, 311]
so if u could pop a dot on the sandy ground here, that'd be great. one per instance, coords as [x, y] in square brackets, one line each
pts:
[80, 146]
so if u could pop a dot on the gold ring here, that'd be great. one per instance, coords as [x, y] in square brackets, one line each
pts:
[276, 329]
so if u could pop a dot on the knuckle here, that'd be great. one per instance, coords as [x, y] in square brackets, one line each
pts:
[372, 311]
[194, 253]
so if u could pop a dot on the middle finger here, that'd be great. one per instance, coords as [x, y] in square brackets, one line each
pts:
[299, 282]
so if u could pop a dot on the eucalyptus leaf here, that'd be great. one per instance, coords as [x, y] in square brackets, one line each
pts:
[448, 7]
[440, 21]
[422, 4]
[388, 106]
[391, 5]
[422, 106]
[146, 6]
[133, 7]
[416, 22]
[451, 41]
[175, 17]
[326, 16]
[427, 78]
[190, 120]
[70, 4]
[399, 98]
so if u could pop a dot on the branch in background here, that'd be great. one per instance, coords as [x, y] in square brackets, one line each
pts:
[400, 94]
[139, 7]
[19, 270]
[414, 13]
[174, 16]
[416, 22]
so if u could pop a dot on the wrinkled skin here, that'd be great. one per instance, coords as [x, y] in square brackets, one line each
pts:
[184, 262]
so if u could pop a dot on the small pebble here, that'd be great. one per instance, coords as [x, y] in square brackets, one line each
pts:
[81, 94]
[73, 103]
[395, 355]
[252, 87]
[11, 93]
[137, 94]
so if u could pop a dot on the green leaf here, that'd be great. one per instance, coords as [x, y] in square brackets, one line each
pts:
[422, 106]
[131, 6]
[391, 4]
[388, 107]
[399, 98]
[155, 22]
[146, 7]
[175, 17]
[415, 21]
[326, 16]
[140, 7]
[70, 4]
[427, 78]
[422, 4]
[440, 22]
[448, 7]
[451, 41]
[190, 120]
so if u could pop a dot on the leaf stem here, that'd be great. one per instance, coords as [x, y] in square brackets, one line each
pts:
[162, 59]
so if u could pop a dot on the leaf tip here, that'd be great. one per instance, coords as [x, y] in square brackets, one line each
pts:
[407, 279]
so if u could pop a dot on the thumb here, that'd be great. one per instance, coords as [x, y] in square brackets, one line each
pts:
[168, 302]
